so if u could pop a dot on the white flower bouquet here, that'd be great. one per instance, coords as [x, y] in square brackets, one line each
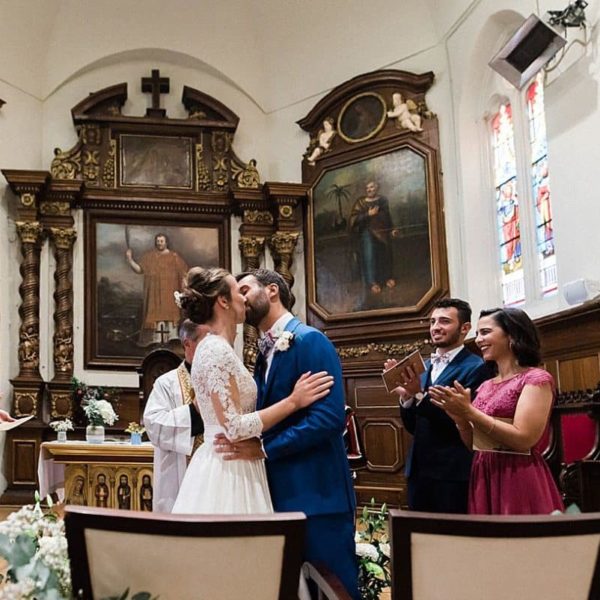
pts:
[63, 425]
[34, 545]
[100, 412]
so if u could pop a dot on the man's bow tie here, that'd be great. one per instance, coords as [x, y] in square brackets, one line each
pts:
[265, 344]
[440, 359]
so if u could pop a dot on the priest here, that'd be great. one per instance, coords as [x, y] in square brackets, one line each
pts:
[172, 421]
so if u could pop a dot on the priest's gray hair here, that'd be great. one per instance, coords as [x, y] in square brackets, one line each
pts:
[188, 330]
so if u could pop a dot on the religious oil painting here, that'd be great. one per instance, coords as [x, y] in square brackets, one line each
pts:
[370, 236]
[148, 160]
[362, 117]
[133, 270]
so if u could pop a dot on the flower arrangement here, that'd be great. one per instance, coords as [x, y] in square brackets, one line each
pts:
[284, 341]
[99, 412]
[64, 425]
[34, 545]
[134, 427]
[83, 393]
[373, 551]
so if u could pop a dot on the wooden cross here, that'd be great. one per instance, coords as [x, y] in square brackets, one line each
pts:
[155, 85]
[163, 331]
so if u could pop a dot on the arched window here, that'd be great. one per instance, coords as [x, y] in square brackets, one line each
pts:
[525, 230]
[540, 180]
[507, 206]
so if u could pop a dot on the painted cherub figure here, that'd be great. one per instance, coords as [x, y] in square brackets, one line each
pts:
[322, 142]
[405, 113]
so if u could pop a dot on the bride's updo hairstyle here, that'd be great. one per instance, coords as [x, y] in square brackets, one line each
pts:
[201, 289]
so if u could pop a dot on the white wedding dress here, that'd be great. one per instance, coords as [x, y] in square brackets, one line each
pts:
[212, 485]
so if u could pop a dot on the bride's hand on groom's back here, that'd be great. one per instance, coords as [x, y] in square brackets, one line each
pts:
[310, 388]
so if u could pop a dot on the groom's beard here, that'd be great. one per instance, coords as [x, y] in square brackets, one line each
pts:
[257, 310]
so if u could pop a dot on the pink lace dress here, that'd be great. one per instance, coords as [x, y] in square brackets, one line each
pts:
[511, 484]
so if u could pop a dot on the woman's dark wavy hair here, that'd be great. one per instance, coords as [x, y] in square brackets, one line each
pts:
[201, 289]
[523, 334]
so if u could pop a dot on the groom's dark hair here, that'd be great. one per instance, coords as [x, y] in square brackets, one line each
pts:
[266, 277]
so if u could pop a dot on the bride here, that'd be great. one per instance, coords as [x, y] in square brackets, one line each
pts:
[226, 397]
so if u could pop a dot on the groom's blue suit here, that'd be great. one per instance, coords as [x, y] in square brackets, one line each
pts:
[306, 462]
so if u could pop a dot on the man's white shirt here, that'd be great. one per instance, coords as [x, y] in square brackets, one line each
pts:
[276, 330]
[436, 371]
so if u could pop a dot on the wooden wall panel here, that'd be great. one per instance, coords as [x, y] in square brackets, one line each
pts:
[578, 373]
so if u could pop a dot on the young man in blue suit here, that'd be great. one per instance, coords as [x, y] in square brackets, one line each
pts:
[439, 464]
[306, 460]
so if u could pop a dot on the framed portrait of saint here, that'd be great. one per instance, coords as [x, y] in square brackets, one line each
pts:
[372, 235]
[362, 117]
[134, 266]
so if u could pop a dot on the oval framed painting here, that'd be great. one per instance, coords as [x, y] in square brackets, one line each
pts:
[362, 117]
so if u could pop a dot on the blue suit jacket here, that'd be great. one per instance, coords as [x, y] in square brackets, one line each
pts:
[306, 463]
[437, 451]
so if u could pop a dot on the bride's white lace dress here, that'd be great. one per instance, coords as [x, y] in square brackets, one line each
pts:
[212, 485]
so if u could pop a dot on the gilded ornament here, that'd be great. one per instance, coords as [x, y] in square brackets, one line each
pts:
[60, 406]
[29, 347]
[283, 243]
[251, 247]
[386, 349]
[28, 200]
[202, 174]
[286, 211]
[258, 217]
[25, 404]
[55, 208]
[66, 165]
[247, 177]
[109, 172]
[29, 232]
[90, 134]
[63, 237]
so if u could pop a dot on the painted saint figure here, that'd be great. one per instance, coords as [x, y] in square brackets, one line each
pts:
[370, 219]
[146, 494]
[77, 496]
[163, 272]
[101, 491]
[124, 493]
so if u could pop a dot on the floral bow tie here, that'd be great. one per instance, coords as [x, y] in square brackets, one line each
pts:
[440, 359]
[265, 344]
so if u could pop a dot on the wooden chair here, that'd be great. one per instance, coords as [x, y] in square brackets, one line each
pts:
[460, 557]
[155, 364]
[178, 557]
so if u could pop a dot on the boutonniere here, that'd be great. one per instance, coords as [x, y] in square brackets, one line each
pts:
[284, 341]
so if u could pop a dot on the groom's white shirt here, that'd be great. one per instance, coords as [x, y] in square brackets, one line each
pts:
[169, 427]
[276, 330]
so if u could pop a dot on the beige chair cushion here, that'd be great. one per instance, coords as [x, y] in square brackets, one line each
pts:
[469, 568]
[170, 567]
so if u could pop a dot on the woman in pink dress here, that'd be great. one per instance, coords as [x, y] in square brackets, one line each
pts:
[511, 410]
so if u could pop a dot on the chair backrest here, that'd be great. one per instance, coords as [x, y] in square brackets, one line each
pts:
[460, 557]
[184, 557]
[155, 364]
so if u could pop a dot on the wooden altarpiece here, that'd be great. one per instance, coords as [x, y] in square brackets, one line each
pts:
[376, 251]
[129, 175]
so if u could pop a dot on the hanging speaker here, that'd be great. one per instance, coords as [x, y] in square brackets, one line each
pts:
[527, 51]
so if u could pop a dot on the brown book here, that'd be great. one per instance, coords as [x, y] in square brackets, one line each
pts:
[484, 443]
[397, 375]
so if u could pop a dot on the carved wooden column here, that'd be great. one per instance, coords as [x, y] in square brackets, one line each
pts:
[288, 198]
[56, 212]
[29, 186]
[257, 225]
[22, 445]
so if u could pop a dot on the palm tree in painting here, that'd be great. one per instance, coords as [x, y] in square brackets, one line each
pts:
[339, 193]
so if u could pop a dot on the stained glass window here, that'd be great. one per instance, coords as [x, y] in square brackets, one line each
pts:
[541, 187]
[507, 207]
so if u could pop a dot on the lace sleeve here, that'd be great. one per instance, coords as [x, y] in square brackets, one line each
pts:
[539, 377]
[221, 370]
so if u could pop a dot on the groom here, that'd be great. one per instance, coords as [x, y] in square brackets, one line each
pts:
[306, 461]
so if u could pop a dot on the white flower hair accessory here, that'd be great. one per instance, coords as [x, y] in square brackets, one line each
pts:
[178, 297]
[284, 341]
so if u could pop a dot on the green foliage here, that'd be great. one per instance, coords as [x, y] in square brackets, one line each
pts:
[373, 551]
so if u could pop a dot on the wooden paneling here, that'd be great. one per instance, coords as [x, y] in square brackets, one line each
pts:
[578, 373]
